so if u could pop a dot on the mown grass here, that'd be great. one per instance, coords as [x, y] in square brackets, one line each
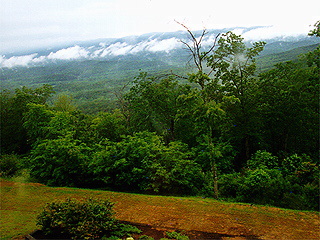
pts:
[22, 202]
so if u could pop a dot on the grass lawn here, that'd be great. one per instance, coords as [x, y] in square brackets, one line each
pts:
[22, 202]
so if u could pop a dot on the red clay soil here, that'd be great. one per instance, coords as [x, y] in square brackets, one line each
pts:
[197, 217]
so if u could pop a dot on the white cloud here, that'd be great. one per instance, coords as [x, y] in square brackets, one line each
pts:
[271, 32]
[69, 53]
[116, 49]
[17, 61]
[123, 48]
[164, 45]
[35, 23]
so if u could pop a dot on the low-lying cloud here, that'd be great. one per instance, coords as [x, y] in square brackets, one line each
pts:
[69, 53]
[152, 44]
[269, 32]
[17, 61]
[101, 51]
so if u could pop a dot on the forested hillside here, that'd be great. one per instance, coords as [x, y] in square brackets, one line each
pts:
[217, 128]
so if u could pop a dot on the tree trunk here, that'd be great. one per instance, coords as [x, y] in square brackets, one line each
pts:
[215, 181]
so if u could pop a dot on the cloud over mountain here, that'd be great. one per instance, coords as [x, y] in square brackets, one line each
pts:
[18, 60]
[164, 43]
[69, 53]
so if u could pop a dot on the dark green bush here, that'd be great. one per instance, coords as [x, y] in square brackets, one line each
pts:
[9, 165]
[90, 219]
[230, 185]
[143, 163]
[263, 159]
[60, 162]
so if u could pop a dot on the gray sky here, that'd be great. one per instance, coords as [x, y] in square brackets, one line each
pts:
[33, 23]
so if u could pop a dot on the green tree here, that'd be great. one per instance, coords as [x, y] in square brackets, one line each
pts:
[316, 30]
[234, 67]
[64, 103]
[290, 96]
[109, 125]
[36, 122]
[152, 105]
[13, 106]
[60, 162]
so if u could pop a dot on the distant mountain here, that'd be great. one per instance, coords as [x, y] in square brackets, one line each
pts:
[266, 61]
[164, 46]
[91, 71]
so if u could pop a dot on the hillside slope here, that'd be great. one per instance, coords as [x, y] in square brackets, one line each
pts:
[21, 202]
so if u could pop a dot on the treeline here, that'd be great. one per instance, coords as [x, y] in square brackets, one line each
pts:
[226, 134]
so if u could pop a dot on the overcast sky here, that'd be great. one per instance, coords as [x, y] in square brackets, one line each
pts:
[33, 23]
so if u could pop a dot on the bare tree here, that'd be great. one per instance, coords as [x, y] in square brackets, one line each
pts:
[198, 54]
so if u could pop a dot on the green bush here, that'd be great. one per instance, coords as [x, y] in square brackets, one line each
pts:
[9, 165]
[90, 219]
[177, 236]
[230, 185]
[60, 162]
[262, 186]
[263, 159]
[143, 163]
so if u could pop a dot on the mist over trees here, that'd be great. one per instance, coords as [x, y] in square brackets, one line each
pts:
[225, 133]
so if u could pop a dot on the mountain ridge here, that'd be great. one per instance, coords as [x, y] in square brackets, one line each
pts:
[157, 44]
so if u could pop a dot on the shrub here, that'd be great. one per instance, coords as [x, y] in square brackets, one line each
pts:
[263, 159]
[89, 219]
[60, 162]
[230, 185]
[9, 165]
[143, 163]
[264, 186]
[177, 236]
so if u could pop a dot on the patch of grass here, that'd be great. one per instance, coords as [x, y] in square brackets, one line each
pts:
[22, 202]
[15, 223]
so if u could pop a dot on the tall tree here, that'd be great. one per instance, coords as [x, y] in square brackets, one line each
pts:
[234, 67]
[153, 105]
[199, 55]
[13, 106]
[290, 93]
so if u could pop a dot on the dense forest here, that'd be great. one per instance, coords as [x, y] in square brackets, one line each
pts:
[221, 131]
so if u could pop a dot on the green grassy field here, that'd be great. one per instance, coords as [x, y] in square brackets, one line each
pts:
[22, 202]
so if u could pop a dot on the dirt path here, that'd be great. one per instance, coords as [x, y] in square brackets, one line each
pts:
[218, 220]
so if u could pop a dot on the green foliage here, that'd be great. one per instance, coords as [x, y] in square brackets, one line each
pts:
[109, 125]
[263, 159]
[234, 66]
[152, 105]
[89, 219]
[290, 108]
[36, 121]
[60, 162]
[145, 237]
[124, 230]
[316, 30]
[13, 137]
[142, 162]
[176, 235]
[9, 165]
[292, 182]
[64, 103]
